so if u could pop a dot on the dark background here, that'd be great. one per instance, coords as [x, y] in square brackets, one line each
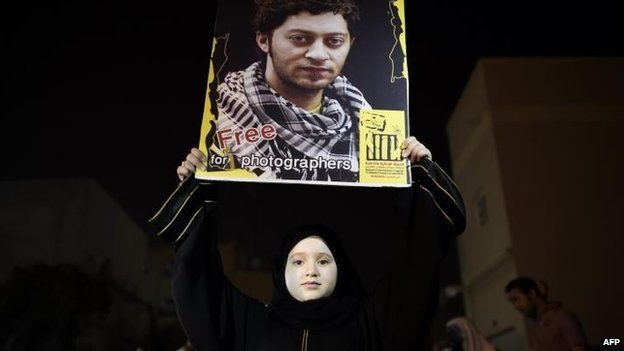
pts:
[115, 91]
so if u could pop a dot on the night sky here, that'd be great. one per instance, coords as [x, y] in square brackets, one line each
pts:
[115, 90]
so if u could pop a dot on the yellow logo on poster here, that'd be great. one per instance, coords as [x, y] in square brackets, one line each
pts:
[381, 135]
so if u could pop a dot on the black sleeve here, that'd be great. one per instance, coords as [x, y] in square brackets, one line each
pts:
[214, 314]
[405, 299]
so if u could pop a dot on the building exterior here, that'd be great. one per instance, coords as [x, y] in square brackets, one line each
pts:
[75, 223]
[536, 147]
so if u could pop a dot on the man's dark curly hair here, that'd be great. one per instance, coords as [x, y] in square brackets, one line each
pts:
[273, 13]
[523, 284]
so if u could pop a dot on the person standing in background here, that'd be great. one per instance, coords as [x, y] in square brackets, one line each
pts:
[552, 326]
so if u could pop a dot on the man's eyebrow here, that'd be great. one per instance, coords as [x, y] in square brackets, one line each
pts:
[297, 30]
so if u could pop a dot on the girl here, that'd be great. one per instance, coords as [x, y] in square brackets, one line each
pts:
[319, 302]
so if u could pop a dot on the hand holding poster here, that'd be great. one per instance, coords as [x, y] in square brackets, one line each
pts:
[279, 105]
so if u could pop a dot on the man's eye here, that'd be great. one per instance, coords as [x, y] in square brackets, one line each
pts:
[299, 39]
[335, 42]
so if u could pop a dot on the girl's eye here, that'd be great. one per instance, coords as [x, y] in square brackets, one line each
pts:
[298, 262]
[323, 262]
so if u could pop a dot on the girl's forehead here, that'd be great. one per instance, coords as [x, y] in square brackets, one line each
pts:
[310, 245]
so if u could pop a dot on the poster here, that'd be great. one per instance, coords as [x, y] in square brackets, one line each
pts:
[312, 92]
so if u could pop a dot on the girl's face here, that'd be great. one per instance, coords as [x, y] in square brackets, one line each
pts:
[311, 271]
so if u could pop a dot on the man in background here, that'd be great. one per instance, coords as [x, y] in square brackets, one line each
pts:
[552, 327]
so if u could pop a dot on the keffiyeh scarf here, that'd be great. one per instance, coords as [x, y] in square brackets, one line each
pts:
[245, 100]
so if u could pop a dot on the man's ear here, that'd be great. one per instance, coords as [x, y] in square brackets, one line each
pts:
[533, 294]
[263, 41]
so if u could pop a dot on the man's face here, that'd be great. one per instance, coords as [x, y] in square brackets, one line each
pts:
[311, 271]
[307, 51]
[524, 303]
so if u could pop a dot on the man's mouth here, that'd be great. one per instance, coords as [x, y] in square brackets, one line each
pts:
[317, 70]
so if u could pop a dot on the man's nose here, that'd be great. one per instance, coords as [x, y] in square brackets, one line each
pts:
[317, 51]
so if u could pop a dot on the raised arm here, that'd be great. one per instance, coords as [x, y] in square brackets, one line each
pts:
[405, 300]
[213, 313]
[442, 192]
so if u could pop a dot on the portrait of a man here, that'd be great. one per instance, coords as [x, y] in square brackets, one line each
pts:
[292, 114]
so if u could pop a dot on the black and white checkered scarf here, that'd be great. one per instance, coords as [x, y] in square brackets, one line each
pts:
[245, 100]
